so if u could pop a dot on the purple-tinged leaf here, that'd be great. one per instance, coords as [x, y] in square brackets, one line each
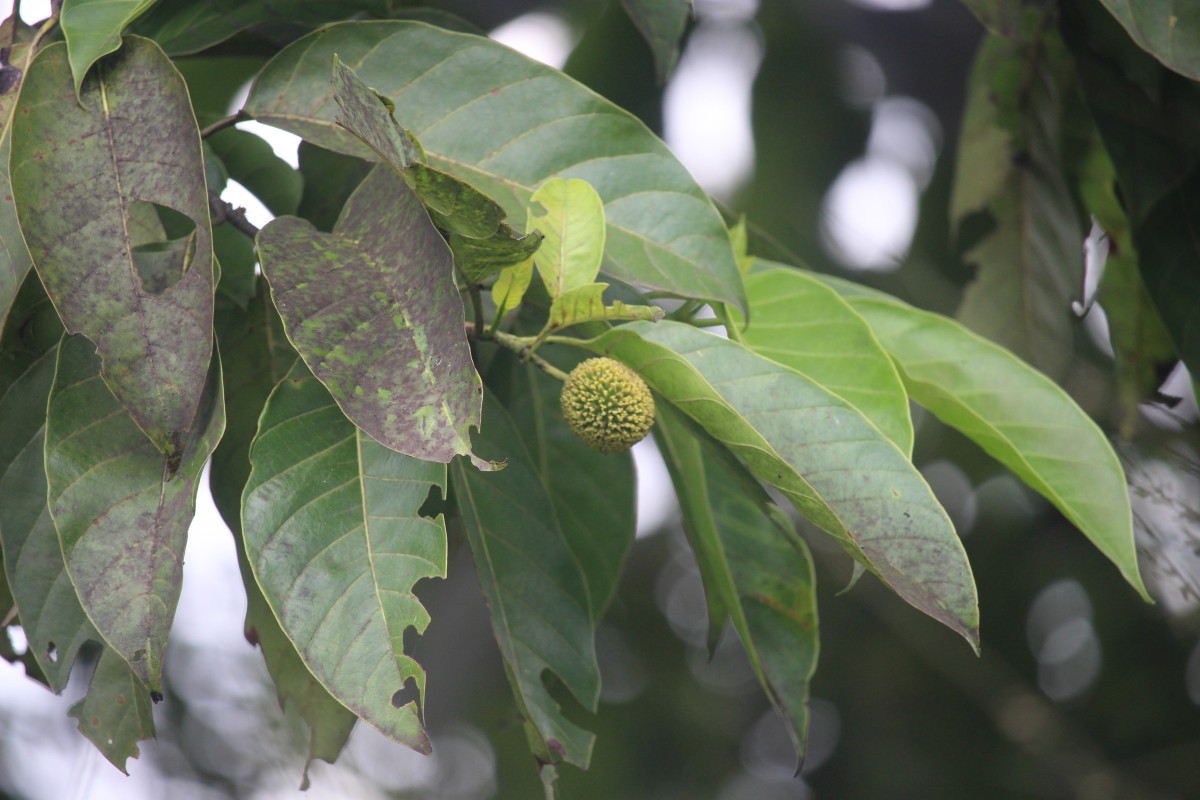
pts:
[115, 713]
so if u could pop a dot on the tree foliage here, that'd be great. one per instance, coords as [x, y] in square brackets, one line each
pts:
[465, 225]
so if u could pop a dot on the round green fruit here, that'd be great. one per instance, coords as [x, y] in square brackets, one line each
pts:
[607, 404]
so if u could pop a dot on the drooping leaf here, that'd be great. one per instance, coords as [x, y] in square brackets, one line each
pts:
[754, 561]
[1167, 29]
[115, 713]
[373, 310]
[1019, 416]
[1010, 165]
[14, 256]
[329, 180]
[537, 596]
[79, 175]
[505, 124]
[570, 215]
[593, 494]
[93, 29]
[121, 513]
[336, 543]
[586, 304]
[821, 452]
[803, 324]
[480, 258]
[250, 161]
[55, 624]
[661, 22]
[254, 345]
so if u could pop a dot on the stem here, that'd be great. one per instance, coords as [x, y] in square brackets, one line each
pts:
[476, 307]
[224, 212]
[522, 346]
[684, 312]
[731, 330]
[222, 124]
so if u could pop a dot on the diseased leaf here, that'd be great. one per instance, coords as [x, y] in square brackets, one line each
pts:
[661, 22]
[55, 624]
[586, 304]
[536, 594]
[1019, 416]
[335, 540]
[93, 29]
[1167, 29]
[250, 161]
[115, 713]
[79, 175]
[570, 215]
[505, 124]
[1010, 164]
[373, 310]
[122, 516]
[803, 324]
[821, 452]
[754, 561]
[480, 258]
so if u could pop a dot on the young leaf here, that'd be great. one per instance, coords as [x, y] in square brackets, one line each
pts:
[54, 622]
[115, 713]
[122, 516]
[586, 304]
[505, 124]
[752, 560]
[333, 534]
[479, 258]
[509, 288]
[80, 175]
[570, 215]
[661, 22]
[821, 452]
[1019, 416]
[1168, 31]
[373, 310]
[805, 325]
[535, 591]
[93, 28]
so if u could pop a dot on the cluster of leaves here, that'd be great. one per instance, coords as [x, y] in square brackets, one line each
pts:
[371, 383]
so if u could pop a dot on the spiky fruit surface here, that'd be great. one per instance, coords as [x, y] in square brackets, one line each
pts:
[607, 404]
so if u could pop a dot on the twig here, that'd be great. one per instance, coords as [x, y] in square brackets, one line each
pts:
[522, 346]
[224, 212]
[222, 124]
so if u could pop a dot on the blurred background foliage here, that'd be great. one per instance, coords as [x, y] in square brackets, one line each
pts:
[833, 125]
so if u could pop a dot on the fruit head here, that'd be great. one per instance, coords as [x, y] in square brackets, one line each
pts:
[607, 404]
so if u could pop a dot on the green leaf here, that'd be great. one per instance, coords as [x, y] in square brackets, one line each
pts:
[1167, 29]
[535, 590]
[505, 124]
[479, 258]
[250, 161]
[254, 346]
[803, 324]
[334, 537]
[593, 494]
[373, 310]
[80, 175]
[586, 304]
[14, 256]
[1010, 164]
[753, 562]
[54, 622]
[93, 29]
[1001, 17]
[509, 288]
[1019, 416]
[122, 516]
[570, 215]
[821, 452]
[115, 713]
[661, 22]
[329, 180]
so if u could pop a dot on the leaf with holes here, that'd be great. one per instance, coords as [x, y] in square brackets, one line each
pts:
[505, 124]
[836, 467]
[334, 536]
[122, 516]
[374, 312]
[115, 713]
[82, 178]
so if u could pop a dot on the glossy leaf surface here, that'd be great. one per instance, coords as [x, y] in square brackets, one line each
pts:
[505, 123]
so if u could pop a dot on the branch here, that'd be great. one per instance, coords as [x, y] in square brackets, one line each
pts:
[222, 124]
[224, 212]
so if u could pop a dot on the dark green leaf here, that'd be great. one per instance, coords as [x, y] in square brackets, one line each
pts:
[1167, 29]
[214, 81]
[535, 590]
[754, 561]
[329, 179]
[480, 258]
[661, 22]
[803, 324]
[1001, 17]
[336, 543]
[250, 161]
[80, 174]
[115, 713]
[254, 346]
[55, 624]
[122, 516]
[14, 256]
[93, 28]
[821, 452]
[1010, 164]
[373, 310]
[505, 124]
